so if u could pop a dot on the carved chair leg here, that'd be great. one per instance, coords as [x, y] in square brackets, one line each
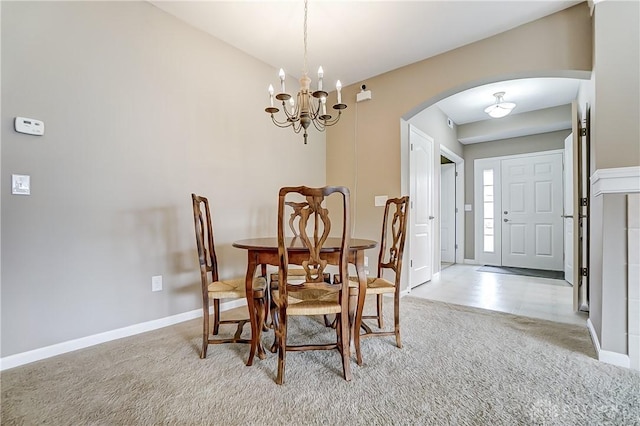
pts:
[216, 316]
[379, 307]
[396, 318]
[259, 303]
[342, 329]
[275, 324]
[353, 302]
[281, 331]
[205, 330]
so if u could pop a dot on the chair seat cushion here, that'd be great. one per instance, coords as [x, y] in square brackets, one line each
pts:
[311, 302]
[233, 288]
[375, 285]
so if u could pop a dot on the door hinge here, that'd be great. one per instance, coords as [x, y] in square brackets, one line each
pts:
[411, 203]
[411, 147]
[456, 210]
[456, 174]
[456, 247]
[584, 272]
[411, 263]
[583, 131]
[584, 202]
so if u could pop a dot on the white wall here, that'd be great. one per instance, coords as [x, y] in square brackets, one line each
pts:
[140, 111]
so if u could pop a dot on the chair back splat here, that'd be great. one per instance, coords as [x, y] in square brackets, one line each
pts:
[308, 293]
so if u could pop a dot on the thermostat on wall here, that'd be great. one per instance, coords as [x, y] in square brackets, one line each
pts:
[29, 126]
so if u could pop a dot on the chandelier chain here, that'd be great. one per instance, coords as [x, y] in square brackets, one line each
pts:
[306, 67]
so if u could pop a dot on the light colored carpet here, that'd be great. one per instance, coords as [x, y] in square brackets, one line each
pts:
[459, 365]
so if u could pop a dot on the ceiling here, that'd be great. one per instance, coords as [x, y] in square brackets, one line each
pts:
[356, 40]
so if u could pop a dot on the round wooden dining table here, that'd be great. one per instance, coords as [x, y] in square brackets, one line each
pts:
[264, 251]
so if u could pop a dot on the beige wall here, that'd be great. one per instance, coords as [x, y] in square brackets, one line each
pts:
[365, 150]
[140, 111]
[616, 60]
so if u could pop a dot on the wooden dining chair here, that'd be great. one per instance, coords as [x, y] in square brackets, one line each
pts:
[394, 229]
[298, 272]
[214, 289]
[310, 295]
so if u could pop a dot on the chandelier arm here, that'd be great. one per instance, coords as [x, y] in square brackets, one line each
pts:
[333, 121]
[318, 124]
[281, 124]
[290, 116]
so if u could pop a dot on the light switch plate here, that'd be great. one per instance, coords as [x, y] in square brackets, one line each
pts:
[468, 208]
[20, 184]
[156, 283]
[380, 200]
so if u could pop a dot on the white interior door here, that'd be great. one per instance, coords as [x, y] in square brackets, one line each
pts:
[568, 209]
[448, 213]
[421, 194]
[532, 200]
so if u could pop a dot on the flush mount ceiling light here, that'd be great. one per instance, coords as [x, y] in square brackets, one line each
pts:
[310, 106]
[500, 108]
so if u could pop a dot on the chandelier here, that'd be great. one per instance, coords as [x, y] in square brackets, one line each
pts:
[308, 107]
[500, 108]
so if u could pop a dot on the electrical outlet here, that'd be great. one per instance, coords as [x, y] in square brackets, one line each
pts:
[156, 283]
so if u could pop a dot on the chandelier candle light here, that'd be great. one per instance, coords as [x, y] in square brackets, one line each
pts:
[309, 107]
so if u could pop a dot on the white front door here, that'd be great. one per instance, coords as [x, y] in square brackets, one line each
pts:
[568, 209]
[421, 214]
[532, 200]
[448, 213]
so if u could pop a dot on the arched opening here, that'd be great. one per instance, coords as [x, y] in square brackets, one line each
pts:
[464, 203]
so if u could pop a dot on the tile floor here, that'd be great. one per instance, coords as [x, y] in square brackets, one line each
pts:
[527, 296]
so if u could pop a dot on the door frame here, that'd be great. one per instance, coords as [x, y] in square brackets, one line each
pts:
[459, 162]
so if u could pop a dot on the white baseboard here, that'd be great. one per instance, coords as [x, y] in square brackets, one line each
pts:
[16, 360]
[609, 357]
[470, 262]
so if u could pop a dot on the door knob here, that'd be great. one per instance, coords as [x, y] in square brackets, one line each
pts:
[567, 216]
[506, 220]
[506, 212]
[431, 217]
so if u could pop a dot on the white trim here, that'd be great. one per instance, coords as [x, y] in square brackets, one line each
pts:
[615, 181]
[609, 357]
[16, 360]
[614, 358]
[459, 202]
[470, 262]
[594, 336]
